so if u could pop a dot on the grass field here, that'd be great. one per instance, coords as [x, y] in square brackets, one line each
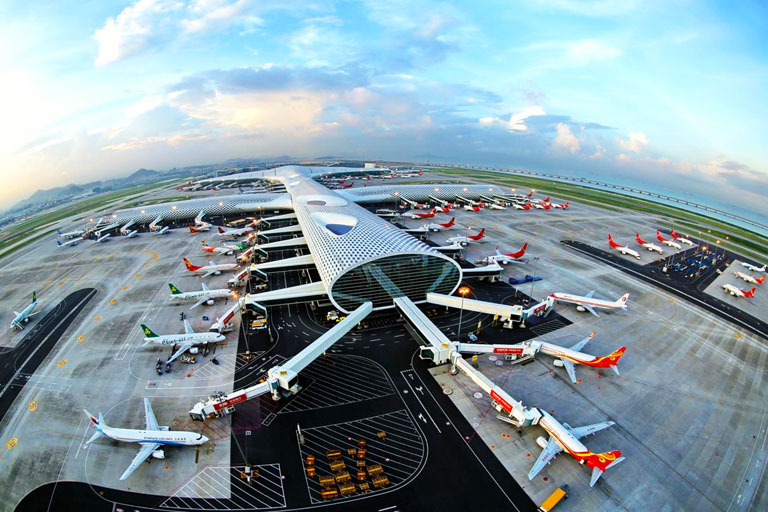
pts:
[700, 226]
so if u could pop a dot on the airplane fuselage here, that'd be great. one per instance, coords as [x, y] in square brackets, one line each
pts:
[588, 301]
[214, 294]
[18, 321]
[198, 338]
[165, 437]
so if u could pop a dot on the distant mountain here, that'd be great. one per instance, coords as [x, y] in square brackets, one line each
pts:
[52, 194]
[143, 174]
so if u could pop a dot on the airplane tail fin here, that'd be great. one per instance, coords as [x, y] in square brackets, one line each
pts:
[59, 231]
[566, 204]
[148, 332]
[481, 234]
[761, 280]
[611, 242]
[34, 296]
[640, 240]
[749, 293]
[545, 200]
[98, 424]
[174, 290]
[674, 235]
[622, 301]
[221, 230]
[601, 462]
[190, 266]
[612, 359]
[520, 253]
[193, 229]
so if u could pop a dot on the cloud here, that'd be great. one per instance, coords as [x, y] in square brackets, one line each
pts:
[516, 122]
[209, 15]
[637, 142]
[591, 8]
[566, 139]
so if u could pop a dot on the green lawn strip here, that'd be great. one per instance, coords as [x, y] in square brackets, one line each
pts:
[25, 243]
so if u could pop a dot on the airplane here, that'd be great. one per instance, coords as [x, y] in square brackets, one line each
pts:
[199, 229]
[449, 224]
[564, 206]
[563, 437]
[103, 238]
[681, 239]
[445, 209]
[226, 249]
[496, 206]
[648, 245]
[464, 240]
[132, 234]
[517, 206]
[667, 241]
[512, 257]
[164, 230]
[420, 215]
[738, 292]
[210, 269]
[587, 303]
[234, 232]
[187, 340]
[205, 296]
[22, 319]
[566, 357]
[621, 248]
[748, 278]
[530, 194]
[753, 268]
[71, 234]
[74, 241]
[152, 437]
[472, 207]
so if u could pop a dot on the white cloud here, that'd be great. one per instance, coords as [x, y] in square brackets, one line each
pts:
[516, 122]
[133, 30]
[590, 50]
[598, 154]
[636, 143]
[565, 139]
[208, 15]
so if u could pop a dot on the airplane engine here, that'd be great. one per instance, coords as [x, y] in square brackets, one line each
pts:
[541, 442]
[158, 454]
[209, 302]
[558, 363]
[26, 321]
[218, 273]
[580, 309]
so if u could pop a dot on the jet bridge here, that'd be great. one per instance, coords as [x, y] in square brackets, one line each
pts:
[285, 230]
[276, 218]
[281, 379]
[291, 295]
[106, 229]
[280, 244]
[507, 314]
[154, 224]
[261, 270]
[124, 229]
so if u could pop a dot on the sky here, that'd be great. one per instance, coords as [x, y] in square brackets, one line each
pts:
[669, 94]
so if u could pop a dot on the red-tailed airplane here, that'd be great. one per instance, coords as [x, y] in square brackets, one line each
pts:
[667, 241]
[738, 292]
[199, 229]
[564, 206]
[648, 245]
[422, 215]
[622, 248]
[464, 240]
[512, 257]
[681, 238]
[748, 278]
[448, 224]
[530, 194]
[445, 209]
[588, 303]
[472, 207]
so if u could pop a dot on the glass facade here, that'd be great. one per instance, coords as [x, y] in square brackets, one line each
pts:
[381, 280]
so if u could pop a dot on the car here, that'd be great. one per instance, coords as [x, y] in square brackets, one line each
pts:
[259, 323]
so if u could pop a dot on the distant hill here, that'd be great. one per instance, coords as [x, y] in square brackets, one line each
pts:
[52, 194]
[143, 174]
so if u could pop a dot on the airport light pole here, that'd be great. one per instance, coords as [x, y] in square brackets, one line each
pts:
[463, 291]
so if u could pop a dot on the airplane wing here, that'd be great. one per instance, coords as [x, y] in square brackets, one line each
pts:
[144, 452]
[188, 327]
[588, 430]
[590, 309]
[205, 287]
[569, 367]
[210, 273]
[547, 455]
[16, 313]
[200, 302]
[150, 415]
[580, 345]
[179, 352]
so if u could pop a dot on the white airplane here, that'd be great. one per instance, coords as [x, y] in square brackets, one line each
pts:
[563, 437]
[563, 206]
[496, 206]
[622, 248]
[224, 249]
[132, 234]
[588, 303]
[753, 268]
[204, 296]
[210, 269]
[667, 241]
[648, 245]
[512, 257]
[103, 238]
[189, 339]
[71, 234]
[420, 215]
[472, 207]
[22, 319]
[199, 228]
[164, 230]
[74, 241]
[566, 357]
[518, 206]
[151, 437]
[464, 240]
[748, 278]
[234, 232]
[681, 238]
[738, 292]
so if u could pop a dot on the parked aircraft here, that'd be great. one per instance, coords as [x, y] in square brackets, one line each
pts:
[164, 230]
[234, 232]
[681, 238]
[151, 437]
[445, 208]
[204, 296]
[563, 206]
[103, 238]
[753, 268]
[748, 278]
[421, 215]
[566, 357]
[189, 339]
[667, 241]
[738, 292]
[472, 207]
[199, 229]
[648, 245]
[74, 241]
[464, 240]
[449, 224]
[22, 319]
[71, 234]
[621, 248]
[210, 269]
[226, 249]
[588, 303]
[495, 206]
[512, 257]
[518, 206]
